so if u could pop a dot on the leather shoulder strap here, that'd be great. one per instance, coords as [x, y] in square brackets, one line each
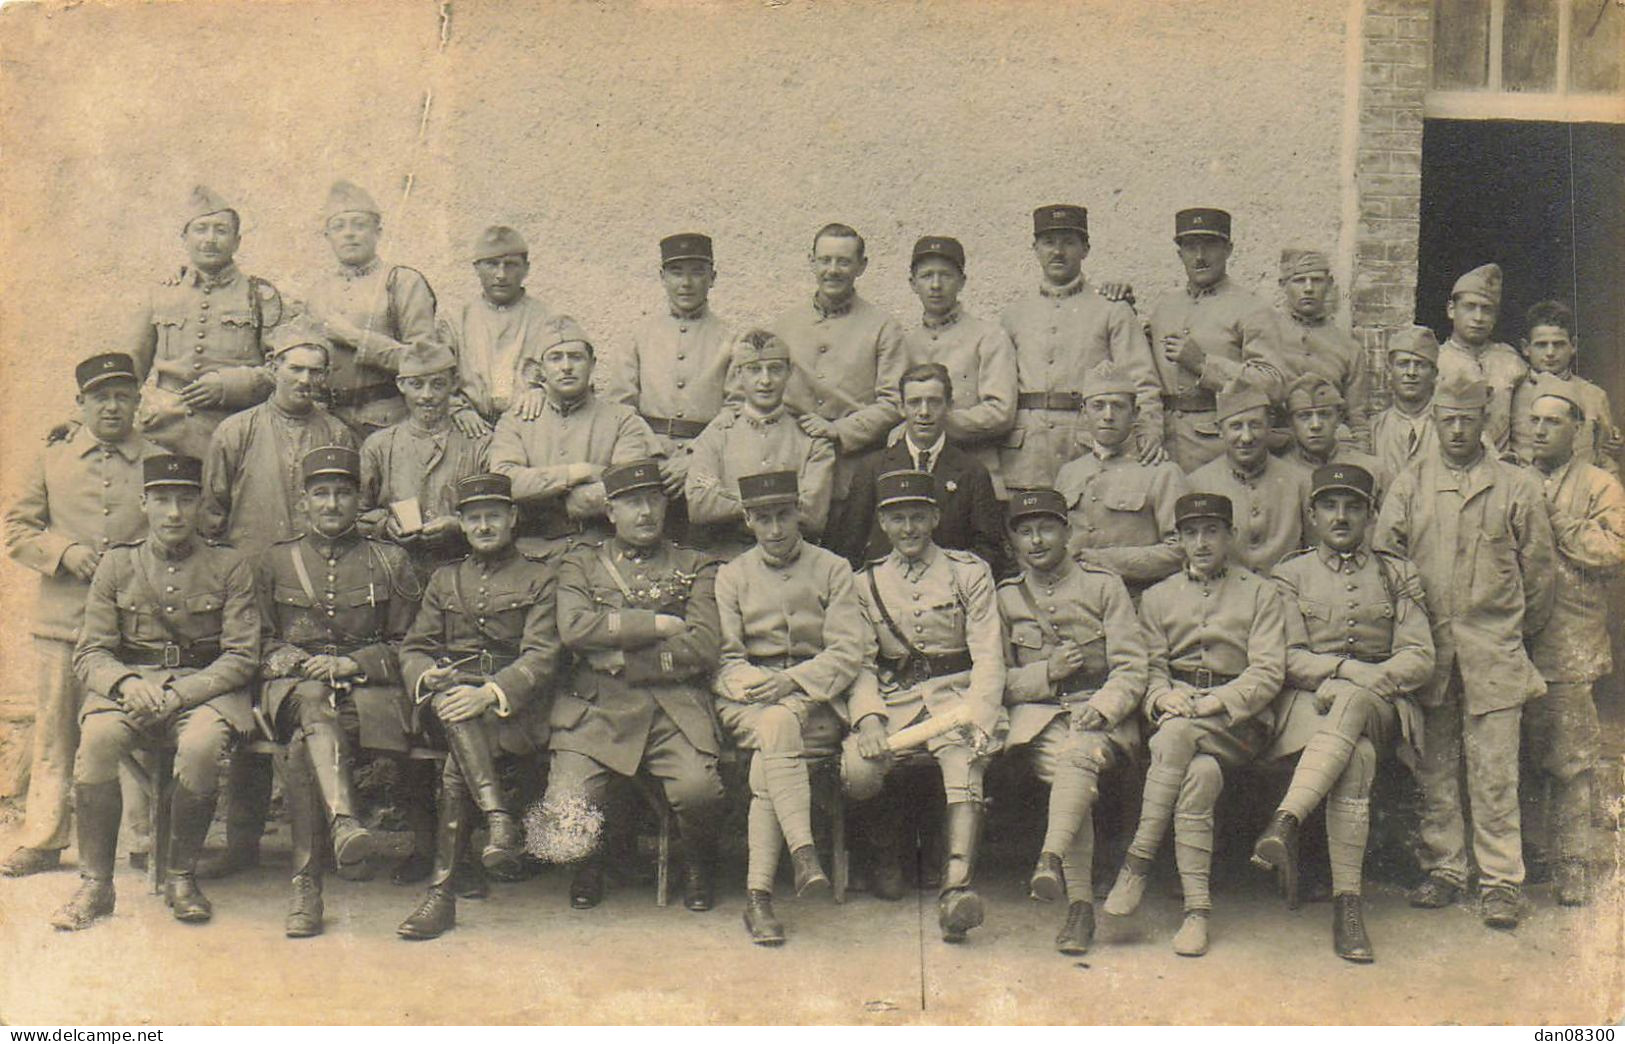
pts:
[885, 615]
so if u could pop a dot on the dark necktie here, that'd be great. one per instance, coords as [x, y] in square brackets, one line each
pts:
[925, 460]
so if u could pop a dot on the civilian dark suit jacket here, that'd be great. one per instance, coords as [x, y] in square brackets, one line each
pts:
[972, 518]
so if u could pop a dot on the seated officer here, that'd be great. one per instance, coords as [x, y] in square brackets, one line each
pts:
[332, 602]
[1357, 642]
[1077, 673]
[935, 620]
[168, 648]
[483, 644]
[749, 437]
[640, 613]
[1122, 511]
[1218, 654]
[793, 641]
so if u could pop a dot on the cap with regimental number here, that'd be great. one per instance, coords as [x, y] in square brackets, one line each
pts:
[1461, 392]
[939, 246]
[1349, 477]
[1059, 217]
[111, 366]
[686, 246]
[1310, 392]
[905, 487]
[1203, 505]
[1419, 341]
[472, 489]
[768, 488]
[171, 469]
[1485, 280]
[1202, 221]
[1027, 502]
[620, 479]
[331, 460]
[1237, 396]
[425, 357]
[498, 241]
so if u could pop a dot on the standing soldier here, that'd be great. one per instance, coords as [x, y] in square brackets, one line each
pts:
[1348, 679]
[1551, 347]
[848, 356]
[1587, 509]
[200, 340]
[1206, 336]
[1077, 674]
[409, 471]
[493, 336]
[556, 462]
[1269, 494]
[1404, 432]
[640, 614]
[935, 619]
[676, 371]
[369, 310]
[168, 649]
[977, 354]
[82, 497]
[1307, 340]
[1475, 304]
[747, 437]
[332, 603]
[482, 665]
[1317, 411]
[1477, 529]
[1061, 331]
[1121, 510]
[1218, 654]
[793, 642]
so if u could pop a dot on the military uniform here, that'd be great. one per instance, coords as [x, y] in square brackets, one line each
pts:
[637, 701]
[493, 342]
[1498, 365]
[1232, 326]
[492, 617]
[1561, 744]
[1220, 637]
[1597, 439]
[1271, 504]
[1399, 436]
[1088, 605]
[1482, 540]
[183, 618]
[80, 491]
[391, 305]
[1302, 345]
[195, 323]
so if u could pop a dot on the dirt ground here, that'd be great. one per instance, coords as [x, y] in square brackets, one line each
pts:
[523, 956]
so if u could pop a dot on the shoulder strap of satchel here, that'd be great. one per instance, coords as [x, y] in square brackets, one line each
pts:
[885, 615]
[462, 606]
[614, 573]
[301, 572]
[152, 592]
[1032, 604]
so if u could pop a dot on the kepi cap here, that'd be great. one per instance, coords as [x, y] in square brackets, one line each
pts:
[1296, 261]
[1415, 340]
[345, 197]
[110, 366]
[1237, 396]
[425, 357]
[171, 469]
[634, 475]
[331, 460]
[1202, 221]
[1461, 392]
[1036, 502]
[686, 246]
[1310, 391]
[1060, 217]
[939, 246]
[471, 489]
[905, 487]
[1349, 477]
[1485, 280]
[768, 488]
[1203, 505]
[201, 201]
[498, 241]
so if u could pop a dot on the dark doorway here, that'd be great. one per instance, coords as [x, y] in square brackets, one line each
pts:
[1545, 201]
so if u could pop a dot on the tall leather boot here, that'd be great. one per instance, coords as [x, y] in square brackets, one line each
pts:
[414, 798]
[248, 806]
[189, 816]
[306, 813]
[437, 914]
[475, 759]
[959, 908]
[98, 808]
[330, 764]
[699, 860]
[881, 824]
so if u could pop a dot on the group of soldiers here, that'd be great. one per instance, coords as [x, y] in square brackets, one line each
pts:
[354, 524]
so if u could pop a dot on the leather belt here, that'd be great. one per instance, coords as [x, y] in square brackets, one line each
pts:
[170, 654]
[781, 662]
[1082, 681]
[486, 662]
[1199, 401]
[675, 427]
[1201, 678]
[1049, 401]
[361, 396]
[922, 667]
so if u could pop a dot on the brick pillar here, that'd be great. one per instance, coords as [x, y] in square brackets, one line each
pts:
[1395, 67]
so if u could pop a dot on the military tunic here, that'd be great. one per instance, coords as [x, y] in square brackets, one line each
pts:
[1060, 334]
[846, 364]
[393, 307]
[1595, 442]
[1321, 347]
[538, 456]
[492, 343]
[1498, 364]
[403, 462]
[675, 374]
[1233, 327]
[351, 596]
[743, 442]
[1122, 514]
[982, 363]
[194, 324]
[1399, 439]
[1271, 507]
[251, 478]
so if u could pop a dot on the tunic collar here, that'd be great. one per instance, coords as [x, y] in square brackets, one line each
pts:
[495, 560]
[1249, 477]
[1053, 576]
[225, 277]
[781, 563]
[1310, 322]
[1338, 562]
[833, 311]
[690, 317]
[942, 322]
[517, 304]
[761, 420]
[179, 554]
[358, 271]
[633, 553]
[337, 545]
[129, 447]
[1196, 293]
[1065, 290]
[1218, 574]
[913, 569]
[565, 409]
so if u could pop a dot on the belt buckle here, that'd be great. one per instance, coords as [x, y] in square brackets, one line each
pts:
[1204, 678]
[487, 664]
[172, 655]
[330, 650]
